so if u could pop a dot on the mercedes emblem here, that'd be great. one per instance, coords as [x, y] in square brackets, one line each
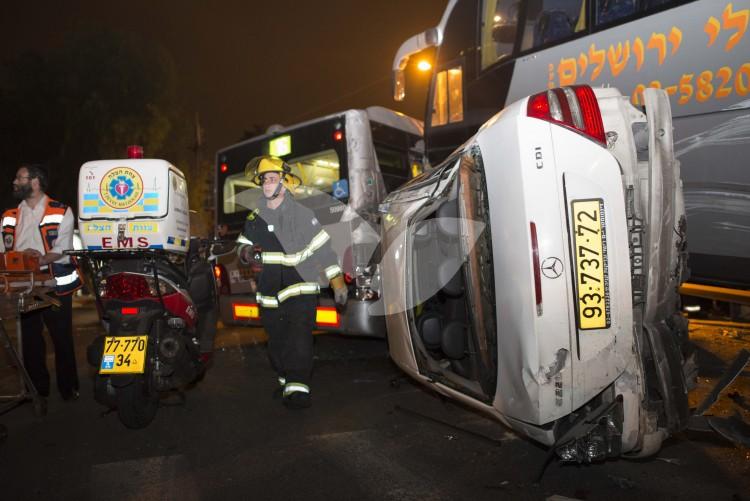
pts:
[552, 267]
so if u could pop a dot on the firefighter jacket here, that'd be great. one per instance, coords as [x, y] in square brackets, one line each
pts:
[294, 250]
[66, 275]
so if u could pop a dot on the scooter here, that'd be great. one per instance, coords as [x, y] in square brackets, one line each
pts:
[159, 310]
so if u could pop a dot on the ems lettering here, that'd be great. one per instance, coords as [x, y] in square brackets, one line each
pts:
[129, 243]
[126, 242]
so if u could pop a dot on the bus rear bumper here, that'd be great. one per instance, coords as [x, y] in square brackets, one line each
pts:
[353, 320]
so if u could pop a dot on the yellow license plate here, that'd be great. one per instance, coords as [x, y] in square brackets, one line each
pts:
[123, 355]
[592, 274]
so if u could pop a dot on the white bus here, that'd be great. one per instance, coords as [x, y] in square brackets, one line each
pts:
[493, 52]
[348, 163]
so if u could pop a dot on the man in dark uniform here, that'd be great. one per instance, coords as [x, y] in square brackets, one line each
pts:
[287, 240]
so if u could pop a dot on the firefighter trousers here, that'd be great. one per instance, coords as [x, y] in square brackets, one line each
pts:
[290, 343]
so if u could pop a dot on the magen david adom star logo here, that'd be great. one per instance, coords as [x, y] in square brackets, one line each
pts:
[121, 188]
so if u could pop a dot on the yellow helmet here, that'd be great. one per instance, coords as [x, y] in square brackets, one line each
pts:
[258, 166]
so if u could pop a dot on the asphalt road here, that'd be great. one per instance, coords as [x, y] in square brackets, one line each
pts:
[364, 438]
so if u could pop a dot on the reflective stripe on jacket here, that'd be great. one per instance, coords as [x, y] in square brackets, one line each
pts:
[295, 251]
[66, 276]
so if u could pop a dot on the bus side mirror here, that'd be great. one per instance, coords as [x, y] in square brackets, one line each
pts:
[415, 44]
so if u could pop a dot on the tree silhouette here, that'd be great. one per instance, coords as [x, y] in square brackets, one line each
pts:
[88, 100]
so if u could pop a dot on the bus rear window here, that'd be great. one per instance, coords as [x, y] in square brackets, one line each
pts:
[234, 186]
[318, 172]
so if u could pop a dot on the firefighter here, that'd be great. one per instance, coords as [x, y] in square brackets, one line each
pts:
[285, 241]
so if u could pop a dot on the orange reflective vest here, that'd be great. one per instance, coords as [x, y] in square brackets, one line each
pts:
[66, 276]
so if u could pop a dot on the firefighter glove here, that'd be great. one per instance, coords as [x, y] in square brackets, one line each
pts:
[256, 259]
[246, 254]
[340, 291]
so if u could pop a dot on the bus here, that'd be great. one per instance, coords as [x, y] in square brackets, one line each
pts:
[348, 162]
[492, 52]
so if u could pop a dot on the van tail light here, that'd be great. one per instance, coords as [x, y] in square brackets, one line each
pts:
[574, 107]
[222, 279]
[366, 280]
[126, 310]
[537, 269]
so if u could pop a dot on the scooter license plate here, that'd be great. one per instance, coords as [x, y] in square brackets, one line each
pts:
[124, 355]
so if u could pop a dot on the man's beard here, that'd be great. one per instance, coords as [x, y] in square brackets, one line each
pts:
[22, 192]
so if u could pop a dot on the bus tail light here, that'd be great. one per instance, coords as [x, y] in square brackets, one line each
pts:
[574, 107]
[327, 316]
[245, 311]
[222, 279]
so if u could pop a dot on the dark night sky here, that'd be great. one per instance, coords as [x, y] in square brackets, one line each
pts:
[249, 62]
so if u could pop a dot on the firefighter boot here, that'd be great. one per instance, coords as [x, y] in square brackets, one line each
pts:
[297, 400]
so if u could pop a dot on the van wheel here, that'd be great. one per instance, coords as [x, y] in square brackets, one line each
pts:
[137, 404]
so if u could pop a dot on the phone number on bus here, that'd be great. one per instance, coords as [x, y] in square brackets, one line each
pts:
[708, 84]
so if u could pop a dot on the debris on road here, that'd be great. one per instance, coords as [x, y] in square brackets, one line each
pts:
[622, 482]
[733, 428]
